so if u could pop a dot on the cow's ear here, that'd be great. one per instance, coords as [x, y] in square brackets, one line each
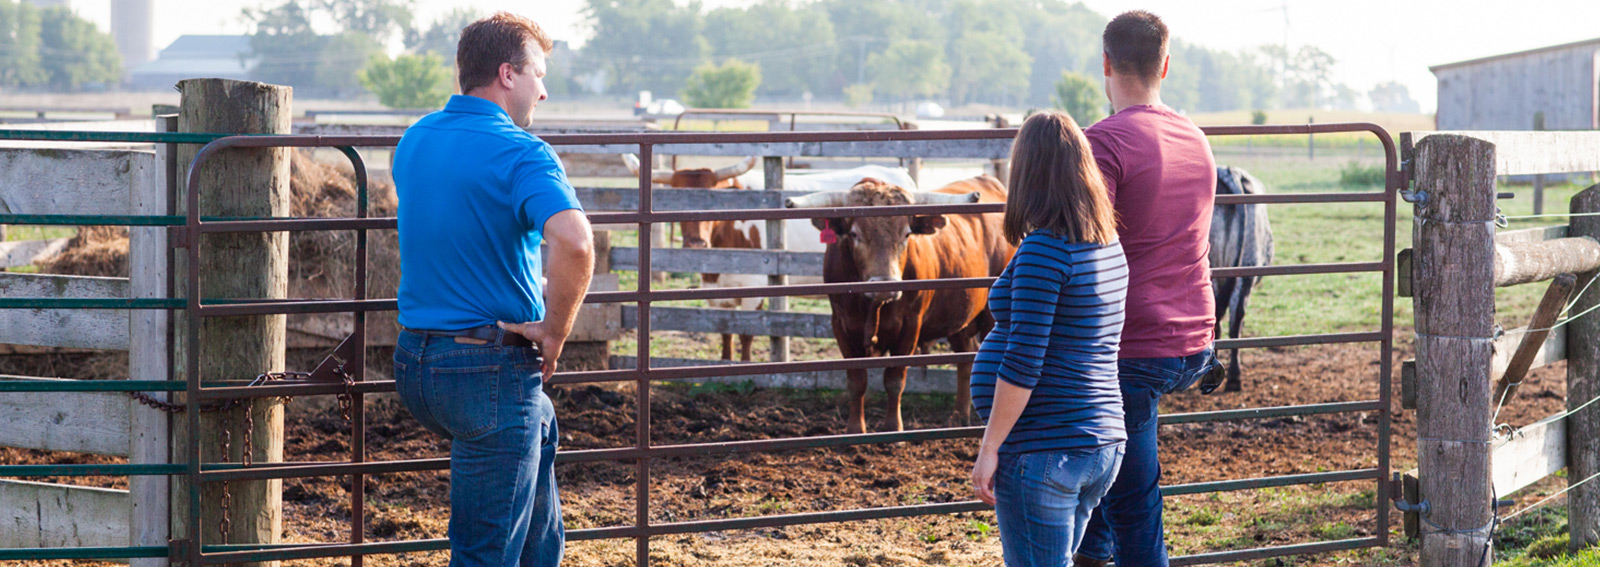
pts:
[927, 224]
[821, 224]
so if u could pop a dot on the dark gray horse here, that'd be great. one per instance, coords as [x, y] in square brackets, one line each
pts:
[1241, 236]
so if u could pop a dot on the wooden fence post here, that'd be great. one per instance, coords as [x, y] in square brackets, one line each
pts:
[777, 239]
[149, 436]
[1538, 180]
[236, 183]
[1583, 384]
[1454, 298]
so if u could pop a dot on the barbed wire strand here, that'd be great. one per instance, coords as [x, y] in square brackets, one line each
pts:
[1549, 215]
[1551, 497]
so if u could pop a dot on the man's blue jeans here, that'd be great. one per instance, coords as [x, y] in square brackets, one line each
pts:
[489, 401]
[1043, 501]
[1128, 522]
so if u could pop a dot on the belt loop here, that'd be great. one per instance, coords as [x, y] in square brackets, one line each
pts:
[499, 335]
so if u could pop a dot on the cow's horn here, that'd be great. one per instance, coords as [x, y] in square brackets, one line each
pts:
[946, 198]
[662, 177]
[737, 169]
[818, 200]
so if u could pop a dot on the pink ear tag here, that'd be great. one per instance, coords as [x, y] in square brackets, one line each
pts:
[828, 236]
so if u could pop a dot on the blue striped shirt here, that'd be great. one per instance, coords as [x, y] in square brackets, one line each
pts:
[1058, 311]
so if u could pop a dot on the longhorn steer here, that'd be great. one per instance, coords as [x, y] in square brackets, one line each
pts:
[896, 248]
[801, 235]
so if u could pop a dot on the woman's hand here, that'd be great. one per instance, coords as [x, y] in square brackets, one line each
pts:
[983, 474]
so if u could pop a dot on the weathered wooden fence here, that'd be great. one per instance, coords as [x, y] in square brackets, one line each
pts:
[79, 180]
[1466, 367]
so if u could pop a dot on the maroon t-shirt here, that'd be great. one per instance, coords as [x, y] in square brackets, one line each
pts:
[1162, 181]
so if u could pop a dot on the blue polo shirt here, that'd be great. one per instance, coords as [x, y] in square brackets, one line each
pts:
[475, 191]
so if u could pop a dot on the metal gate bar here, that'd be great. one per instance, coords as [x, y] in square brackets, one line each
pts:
[642, 452]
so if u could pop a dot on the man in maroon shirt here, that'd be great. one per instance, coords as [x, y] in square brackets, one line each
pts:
[1162, 180]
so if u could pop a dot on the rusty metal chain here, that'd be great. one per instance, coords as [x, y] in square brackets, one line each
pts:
[345, 398]
[226, 524]
[229, 405]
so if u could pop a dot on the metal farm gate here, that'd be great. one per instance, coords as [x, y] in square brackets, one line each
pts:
[350, 380]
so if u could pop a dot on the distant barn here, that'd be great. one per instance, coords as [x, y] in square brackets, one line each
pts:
[1505, 92]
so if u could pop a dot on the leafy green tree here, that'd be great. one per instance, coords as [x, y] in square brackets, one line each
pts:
[1393, 97]
[730, 85]
[378, 19]
[1080, 97]
[408, 81]
[987, 66]
[910, 68]
[290, 51]
[777, 35]
[1059, 36]
[442, 36]
[341, 60]
[73, 52]
[19, 45]
[863, 29]
[644, 44]
[284, 45]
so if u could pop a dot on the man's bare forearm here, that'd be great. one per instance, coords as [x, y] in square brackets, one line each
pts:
[568, 270]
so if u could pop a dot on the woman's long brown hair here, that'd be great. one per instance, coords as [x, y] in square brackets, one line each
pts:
[1055, 184]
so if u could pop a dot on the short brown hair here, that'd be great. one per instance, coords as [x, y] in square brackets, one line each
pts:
[486, 43]
[1135, 41]
[1055, 184]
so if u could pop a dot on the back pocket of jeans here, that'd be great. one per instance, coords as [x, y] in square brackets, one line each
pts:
[465, 401]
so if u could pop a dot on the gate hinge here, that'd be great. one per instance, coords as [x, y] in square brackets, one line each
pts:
[1407, 179]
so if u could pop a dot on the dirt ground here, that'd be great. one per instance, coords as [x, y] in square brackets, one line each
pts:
[414, 505]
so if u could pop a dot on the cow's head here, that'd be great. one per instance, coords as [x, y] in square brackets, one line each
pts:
[696, 234]
[878, 244]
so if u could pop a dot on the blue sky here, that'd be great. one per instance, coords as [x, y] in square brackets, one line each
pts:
[1373, 40]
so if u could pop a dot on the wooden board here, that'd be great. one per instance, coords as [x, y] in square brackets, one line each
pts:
[918, 379]
[1554, 350]
[37, 514]
[105, 329]
[1529, 455]
[80, 422]
[721, 261]
[760, 323]
[25, 252]
[38, 181]
[627, 199]
[1526, 153]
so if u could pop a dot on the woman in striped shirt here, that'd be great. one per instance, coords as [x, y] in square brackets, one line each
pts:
[1045, 379]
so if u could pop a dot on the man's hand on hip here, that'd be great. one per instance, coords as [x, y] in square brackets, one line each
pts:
[549, 343]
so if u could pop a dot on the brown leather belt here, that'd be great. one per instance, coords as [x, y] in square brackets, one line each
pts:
[489, 334]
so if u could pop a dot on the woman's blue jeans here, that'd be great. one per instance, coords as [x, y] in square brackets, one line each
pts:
[1128, 523]
[489, 401]
[1043, 501]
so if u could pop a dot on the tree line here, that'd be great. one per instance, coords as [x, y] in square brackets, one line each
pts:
[52, 48]
[1014, 53]
[1004, 52]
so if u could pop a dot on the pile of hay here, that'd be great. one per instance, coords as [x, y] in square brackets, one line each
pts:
[95, 251]
[321, 263]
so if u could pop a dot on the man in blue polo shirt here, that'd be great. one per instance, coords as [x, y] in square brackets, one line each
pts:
[478, 195]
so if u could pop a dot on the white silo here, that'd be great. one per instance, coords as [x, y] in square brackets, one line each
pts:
[132, 24]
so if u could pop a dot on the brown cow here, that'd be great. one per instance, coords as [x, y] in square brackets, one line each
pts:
[922, 247]
[715, 234]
